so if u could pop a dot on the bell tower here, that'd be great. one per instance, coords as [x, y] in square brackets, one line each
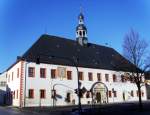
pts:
[81, 31]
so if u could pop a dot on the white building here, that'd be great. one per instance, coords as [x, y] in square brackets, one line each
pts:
[49, 69]
[2, 88]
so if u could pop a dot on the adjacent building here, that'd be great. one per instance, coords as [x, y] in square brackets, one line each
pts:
[3, 88]
[147, 79]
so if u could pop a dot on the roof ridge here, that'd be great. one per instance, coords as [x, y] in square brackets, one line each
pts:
[60, 37]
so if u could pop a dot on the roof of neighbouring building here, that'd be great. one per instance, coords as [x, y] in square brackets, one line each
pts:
[49, 49]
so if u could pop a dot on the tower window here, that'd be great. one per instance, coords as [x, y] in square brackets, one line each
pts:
[83, 33]
[80, 33]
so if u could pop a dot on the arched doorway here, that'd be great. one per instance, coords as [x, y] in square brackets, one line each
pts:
[98, 97]
[99, 93]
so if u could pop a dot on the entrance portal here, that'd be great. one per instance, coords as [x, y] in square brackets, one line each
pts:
[98, 97]
[99, 93]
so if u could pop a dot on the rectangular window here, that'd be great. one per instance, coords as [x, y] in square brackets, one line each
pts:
[90, 75]
[107, 77]
[31, 72]
[17, 72]
[42, 72]
[109, 94]
[99, 77]
[114, 78]
[132, 93]
[42, 93]
[69, 75]
[9, 78]
[53, 73]
[115, 93]
[12, 76]
[14, 94]
[3, 84]
[131, 79]
[17, 94]
[31, 93]
[81, 76]
[122, 78]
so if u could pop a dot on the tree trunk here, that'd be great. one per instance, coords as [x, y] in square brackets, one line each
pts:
[140, 98]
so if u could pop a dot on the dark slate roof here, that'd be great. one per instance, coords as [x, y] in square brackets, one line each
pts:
[90, 56]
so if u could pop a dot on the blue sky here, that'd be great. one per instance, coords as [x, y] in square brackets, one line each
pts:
[22, 22]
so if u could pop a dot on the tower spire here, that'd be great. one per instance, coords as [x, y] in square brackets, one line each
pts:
[81, 30]
[81, 9]
[81, 17]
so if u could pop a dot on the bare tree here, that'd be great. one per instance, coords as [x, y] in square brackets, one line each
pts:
[135, 50]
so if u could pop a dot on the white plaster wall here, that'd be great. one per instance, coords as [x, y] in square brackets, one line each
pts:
[47, 83]
[15, 84]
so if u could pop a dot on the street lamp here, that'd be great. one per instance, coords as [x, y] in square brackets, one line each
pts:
[54, 91]
[113, 92]
[74, 62]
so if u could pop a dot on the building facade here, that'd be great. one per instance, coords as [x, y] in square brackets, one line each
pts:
[147, 78]
[47, 74]
[3, 88]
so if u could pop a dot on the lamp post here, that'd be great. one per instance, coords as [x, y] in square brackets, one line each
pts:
[113, 93]
[74, 62]
[54, 93]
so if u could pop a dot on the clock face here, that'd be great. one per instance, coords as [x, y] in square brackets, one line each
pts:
[85, 41]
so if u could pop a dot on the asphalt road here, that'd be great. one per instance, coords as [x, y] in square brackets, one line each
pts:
[108, 109]
[13, 111]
